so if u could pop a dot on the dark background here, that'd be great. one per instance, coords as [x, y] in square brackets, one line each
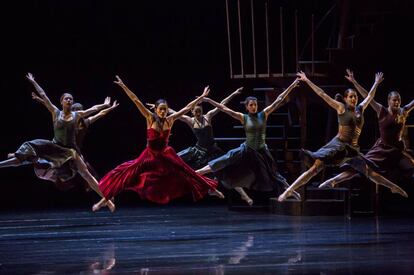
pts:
[161, 49]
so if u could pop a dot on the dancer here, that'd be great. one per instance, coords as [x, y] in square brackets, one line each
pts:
[42, 167]
[206, 148]
[251, 165]
[85, 122]
[344, 146]
[62, 153]
[389, 152]
[158, 174]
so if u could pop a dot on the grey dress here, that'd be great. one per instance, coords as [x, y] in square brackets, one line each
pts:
[53, 159]
[251, 165]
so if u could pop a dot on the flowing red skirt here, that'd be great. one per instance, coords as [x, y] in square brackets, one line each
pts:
[158, 176]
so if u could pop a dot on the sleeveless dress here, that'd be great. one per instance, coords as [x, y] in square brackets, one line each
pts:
[53, 160]
[251, 165]
[389, 152]
[343, 150]
[157, 175]
[205, 149]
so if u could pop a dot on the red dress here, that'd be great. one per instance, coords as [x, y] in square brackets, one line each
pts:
[157, 175]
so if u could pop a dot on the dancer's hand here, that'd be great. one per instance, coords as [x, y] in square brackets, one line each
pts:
[296, 83]
[302, 76]
[30, 77]
[107, 101]
[379, 77]
[350, 76]
[35, 96]
[238, 91]
[150, 105]
[119, 81]
[206, 91]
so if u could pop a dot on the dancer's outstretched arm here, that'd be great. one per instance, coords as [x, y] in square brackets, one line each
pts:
[221, 107]
[189, 106]
[141, 107]
[210, 114]
[338, 106]
[362, 91]
[279, 100]
[102, 113]
[379, 77]
[96, 108]
[46, 101]
[409, 107]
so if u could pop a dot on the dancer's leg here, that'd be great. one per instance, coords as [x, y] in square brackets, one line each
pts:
[344, 176]
[243, 195]
[302, 179]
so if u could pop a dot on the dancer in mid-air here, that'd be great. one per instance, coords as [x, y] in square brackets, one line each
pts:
[389, 152]
[206, 148]
[42, 167]
[158, 174]
[62, 153]
[343, 148]
[251, 165]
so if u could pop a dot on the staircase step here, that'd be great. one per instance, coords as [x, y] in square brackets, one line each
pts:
[314, 62]
[289, 207]
[319, 207]
[328, 193]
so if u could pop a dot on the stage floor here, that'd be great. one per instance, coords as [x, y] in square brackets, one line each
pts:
[201, 240]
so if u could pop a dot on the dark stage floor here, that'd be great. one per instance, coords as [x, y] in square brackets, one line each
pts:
[201, 240]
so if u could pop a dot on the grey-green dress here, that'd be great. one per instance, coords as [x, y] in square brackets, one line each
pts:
[53, 160]
[251, 165]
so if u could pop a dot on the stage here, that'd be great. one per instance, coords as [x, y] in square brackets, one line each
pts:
[200, 239]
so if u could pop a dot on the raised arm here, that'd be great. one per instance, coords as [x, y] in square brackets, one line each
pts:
[96, 108]
[215, 111]
[189, 106]
[230, 112]
[277, 103]
[183, 118]
[141, 107]
[46, 101]
[338, 106]
[102, 113]
[362, 91]
[379, 77]
[409, 107]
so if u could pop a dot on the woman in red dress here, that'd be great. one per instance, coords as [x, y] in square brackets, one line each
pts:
[158, 174]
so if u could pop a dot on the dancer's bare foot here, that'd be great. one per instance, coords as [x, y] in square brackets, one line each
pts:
[215, 192]
[247, 199]
[327, 184]
[10, 155]
[285, 195]
[99, 205]
[400, 191]
[111, 206]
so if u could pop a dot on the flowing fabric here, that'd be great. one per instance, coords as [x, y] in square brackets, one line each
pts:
[157, 175]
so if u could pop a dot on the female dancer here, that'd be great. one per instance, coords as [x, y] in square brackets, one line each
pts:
[85, 122]
[251, 165]
[389, 152]
[206, 148]
[344, 146]
[158, 174]
[62, 153]
[42, 167]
